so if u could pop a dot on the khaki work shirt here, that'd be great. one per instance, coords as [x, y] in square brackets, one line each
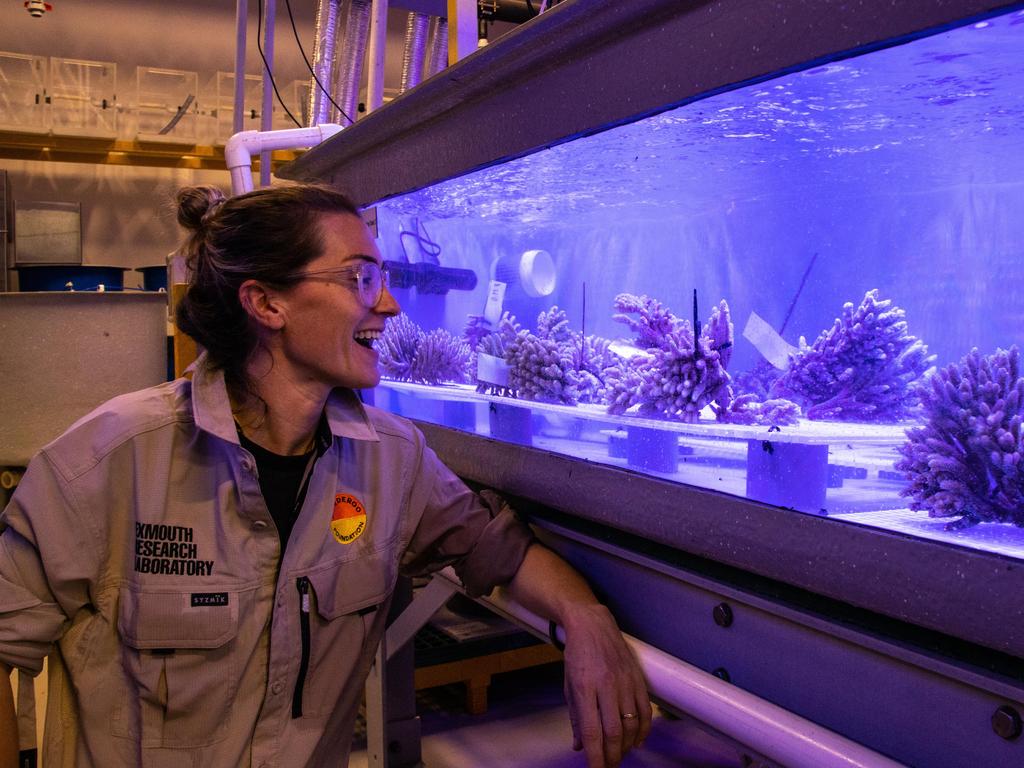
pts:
[139, 554]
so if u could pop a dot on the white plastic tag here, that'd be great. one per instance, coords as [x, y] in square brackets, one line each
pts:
[492, 369]
[495, 302]
[768, 342]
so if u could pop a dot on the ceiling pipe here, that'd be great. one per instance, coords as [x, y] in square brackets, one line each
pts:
[348, 60]
[416, 27]
[320, 82]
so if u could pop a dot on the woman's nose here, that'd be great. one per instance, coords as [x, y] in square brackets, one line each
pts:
[388, 304]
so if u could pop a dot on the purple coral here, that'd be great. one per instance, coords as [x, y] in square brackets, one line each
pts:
[757, 381]
[965, 461]
[749, 409]
[409, 354]
[864, 368]
[720, 332]
[556, 365]
[681, 374]
[653, 322]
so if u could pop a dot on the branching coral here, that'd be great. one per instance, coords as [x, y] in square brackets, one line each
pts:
[966, 460]
[408, 354]
[681, 374]
[757, 381]
[653, 322]
[864, 368]
[749, 409]
[396, 349]
[556, 365]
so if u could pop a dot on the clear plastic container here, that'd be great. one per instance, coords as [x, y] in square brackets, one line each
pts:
[166, 106]
[23, 93]
[225, 104]
[83, 97]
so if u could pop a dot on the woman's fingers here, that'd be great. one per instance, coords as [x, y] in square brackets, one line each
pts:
[643, 709]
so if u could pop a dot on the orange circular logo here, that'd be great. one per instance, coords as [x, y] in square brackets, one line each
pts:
[349, 518]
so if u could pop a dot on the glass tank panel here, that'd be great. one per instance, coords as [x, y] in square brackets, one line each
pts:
[773, 292]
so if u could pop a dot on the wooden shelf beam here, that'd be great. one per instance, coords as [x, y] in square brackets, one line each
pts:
[48, 147]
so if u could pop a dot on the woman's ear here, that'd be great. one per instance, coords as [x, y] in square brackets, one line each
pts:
[262, 304]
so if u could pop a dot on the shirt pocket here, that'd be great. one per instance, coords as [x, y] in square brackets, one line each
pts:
[346, 598]
[181, 665]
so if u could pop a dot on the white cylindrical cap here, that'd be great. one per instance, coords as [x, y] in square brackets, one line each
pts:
[537, 273]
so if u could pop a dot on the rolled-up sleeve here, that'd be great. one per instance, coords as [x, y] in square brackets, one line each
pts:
[480, 535]
[38, 568]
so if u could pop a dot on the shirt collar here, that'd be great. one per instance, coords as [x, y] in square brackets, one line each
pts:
[211, 408]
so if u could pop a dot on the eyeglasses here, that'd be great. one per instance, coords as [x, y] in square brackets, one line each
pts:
[368, 277]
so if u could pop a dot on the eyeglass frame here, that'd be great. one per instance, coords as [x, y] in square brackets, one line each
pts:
[337, 275]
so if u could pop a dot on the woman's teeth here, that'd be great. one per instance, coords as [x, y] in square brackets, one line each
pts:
[366, 338]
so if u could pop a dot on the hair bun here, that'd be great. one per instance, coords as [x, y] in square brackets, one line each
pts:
[195, 204]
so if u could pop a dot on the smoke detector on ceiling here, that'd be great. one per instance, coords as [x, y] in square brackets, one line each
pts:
[37, 8]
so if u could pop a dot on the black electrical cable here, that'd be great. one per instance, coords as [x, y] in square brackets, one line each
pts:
[309, 66]
[270, 74]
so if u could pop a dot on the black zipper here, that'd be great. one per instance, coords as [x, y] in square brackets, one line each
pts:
[302, 584]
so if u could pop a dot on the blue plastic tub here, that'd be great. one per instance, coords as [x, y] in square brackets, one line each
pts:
[66, 278]
[154, 278]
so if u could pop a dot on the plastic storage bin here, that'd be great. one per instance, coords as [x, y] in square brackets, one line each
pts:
[166, 106]
[23, 104]
[83, 97]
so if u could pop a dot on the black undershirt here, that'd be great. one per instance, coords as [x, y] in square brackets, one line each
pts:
[280, 478]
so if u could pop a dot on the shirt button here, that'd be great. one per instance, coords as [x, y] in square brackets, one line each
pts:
[277, 687]
[247, 465]
[259, 525]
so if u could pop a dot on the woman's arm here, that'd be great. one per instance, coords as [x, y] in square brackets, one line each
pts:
[605, 689]
[8, 723]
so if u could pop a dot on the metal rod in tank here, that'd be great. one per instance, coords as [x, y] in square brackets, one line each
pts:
[799, 290]
[583, 326]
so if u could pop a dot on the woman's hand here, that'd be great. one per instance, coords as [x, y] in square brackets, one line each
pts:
[604, 687]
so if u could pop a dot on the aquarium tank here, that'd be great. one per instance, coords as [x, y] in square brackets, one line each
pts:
[807, 291]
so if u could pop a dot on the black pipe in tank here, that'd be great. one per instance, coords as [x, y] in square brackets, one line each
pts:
[512, 11]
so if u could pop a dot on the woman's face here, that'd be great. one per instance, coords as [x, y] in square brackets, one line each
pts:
[328, 334]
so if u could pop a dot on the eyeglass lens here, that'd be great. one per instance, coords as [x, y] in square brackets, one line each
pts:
[371, 283]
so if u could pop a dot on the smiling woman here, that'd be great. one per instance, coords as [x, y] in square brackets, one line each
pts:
[222, 551]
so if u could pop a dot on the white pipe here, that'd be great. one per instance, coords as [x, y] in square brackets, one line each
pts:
[242, 146]
[766, 728]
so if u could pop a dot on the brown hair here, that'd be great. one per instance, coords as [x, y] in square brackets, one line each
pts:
[267, 235]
